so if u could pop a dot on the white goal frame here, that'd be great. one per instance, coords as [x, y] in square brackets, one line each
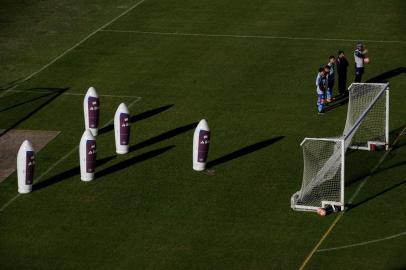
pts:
[345, 142]
[339, 203]
[386, 85]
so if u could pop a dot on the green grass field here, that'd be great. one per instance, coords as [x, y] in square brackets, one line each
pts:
[248, 67]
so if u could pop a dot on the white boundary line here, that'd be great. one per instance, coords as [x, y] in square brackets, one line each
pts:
[250, 36]
[9, 202]
[60, 160]
[74, 46]
[364, 243]
[70, 93]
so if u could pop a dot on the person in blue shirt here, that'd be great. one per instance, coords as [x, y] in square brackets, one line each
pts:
[359, 55]
[321, 87]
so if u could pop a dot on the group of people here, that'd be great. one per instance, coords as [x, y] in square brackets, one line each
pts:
[326, 76]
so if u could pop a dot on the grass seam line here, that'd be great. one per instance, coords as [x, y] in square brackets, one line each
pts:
[8, 203]
[376, 167]
[250, 36]
[364, 243]
[74, 46]
[306, 261]
[314, 250]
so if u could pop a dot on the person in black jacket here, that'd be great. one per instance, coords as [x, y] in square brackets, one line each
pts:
[342, 66]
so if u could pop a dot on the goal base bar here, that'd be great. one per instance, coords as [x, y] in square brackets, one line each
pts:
[324, 204]
[335, 205]
[372, 146]
[304, 208]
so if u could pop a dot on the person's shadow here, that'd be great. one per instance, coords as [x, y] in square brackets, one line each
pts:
[354, 205]
[383, 77]
[338, 102]
[356, 160]
[361, 165]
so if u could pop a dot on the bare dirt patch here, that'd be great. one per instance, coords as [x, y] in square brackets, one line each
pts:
[11, 142]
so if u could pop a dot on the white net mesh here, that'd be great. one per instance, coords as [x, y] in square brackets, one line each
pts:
[324, 158]
[373, 118]
[322, 172]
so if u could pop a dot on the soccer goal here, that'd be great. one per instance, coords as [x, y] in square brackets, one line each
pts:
[366, 128]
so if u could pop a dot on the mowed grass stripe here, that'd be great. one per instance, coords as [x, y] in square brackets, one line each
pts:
[250, 36]
[73, 47]
[160, 214]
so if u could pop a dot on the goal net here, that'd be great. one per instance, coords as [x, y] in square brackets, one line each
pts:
[366, 127]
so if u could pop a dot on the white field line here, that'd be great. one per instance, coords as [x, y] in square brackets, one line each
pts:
[74, 46]
[71, 94]
[59, 161]
[364, 243]
[250, 36]
[9, 202]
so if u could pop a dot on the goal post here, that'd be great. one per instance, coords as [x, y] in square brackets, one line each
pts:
[366, 128]
[367, 116]
[323, 174]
